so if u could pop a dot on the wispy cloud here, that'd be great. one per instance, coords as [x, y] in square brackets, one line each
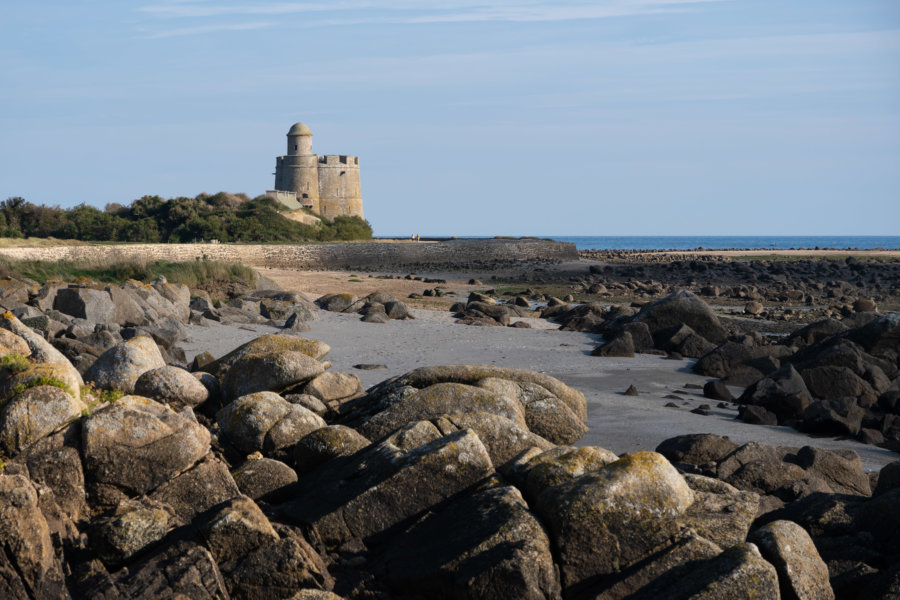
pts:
[356, 12]
[201, 29]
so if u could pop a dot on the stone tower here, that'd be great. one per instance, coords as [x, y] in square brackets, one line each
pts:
[328, 185]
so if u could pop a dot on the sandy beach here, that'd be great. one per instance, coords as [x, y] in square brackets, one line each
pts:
[617, 422]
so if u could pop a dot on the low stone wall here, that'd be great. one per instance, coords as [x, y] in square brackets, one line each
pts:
[364, 255]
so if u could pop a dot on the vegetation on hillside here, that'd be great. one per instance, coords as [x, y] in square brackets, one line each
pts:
[223, 217]
[199, 274]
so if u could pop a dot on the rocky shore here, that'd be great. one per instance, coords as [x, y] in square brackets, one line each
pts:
[136, 467]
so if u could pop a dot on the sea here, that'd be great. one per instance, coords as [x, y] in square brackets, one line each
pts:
[781, 242]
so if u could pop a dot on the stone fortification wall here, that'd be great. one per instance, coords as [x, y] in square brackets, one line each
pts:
[459, 254]
[339, 188]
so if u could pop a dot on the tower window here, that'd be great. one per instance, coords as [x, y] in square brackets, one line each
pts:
[295, 146]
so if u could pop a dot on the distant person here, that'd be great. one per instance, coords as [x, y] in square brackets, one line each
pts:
[418, 239]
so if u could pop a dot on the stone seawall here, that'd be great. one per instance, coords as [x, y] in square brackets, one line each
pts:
[449, 254]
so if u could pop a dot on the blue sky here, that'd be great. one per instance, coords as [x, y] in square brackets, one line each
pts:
[512, 117]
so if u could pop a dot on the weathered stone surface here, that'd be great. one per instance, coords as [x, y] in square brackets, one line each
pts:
[380, 487]
[184, 570]
[171, 385]
[133, 526]
[266, 422]
[338, 302]
[472, 374]
[264, 478]
[801, 571]
[12, 343]
[333, 386]
[203, 486]
[278, 569]
[35, 413]
[62, 375]
[502, 438]
[720, 513]
[502, 552]
[438, 399]
[236, 529]
[841, 470]
[55, 462]
[127, 311]
[270, 344]
[736, 574]
[325, 444]
[621, 346]
[783, 393]
[137, 444]
[85, 303]
[42, 351]
[888, 478]
[269, 372]
[28, 566]
[682, 307]
[417, 434]
[834, 415]
[696, 448]
[605, 521]
[561, 464]
[545, 414]
[119, 367]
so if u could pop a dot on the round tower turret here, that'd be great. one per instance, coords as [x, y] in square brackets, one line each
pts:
[299, 140]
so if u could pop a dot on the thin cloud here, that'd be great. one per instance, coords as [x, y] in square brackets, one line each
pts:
[201, 29]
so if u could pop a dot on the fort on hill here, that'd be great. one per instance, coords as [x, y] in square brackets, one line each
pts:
[328, 185]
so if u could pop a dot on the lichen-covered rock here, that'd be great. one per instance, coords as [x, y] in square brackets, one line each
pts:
[35, 413]
[119, 367]
[85, 303]
[133, 526]
[545, 414]
[380, 487]
[171, 385]
[472, 374]
[266, 422]
[413, 435]
[270, 344]
[61, 375]
[736, 574]
[28, 566]
[278, 569]
[236, 529]
[801, 571]
[326, 444]
[42, 351]
[333, 386]
[501, 552]
[438, 399]
[203, 486]
[841, 470]
[262, 478]
[269, 372]
[720, 513]
[561, 464]
[607, 520]
[55, 463]
[137, 444]
[503, 438]
[338, 302]
[10, 343]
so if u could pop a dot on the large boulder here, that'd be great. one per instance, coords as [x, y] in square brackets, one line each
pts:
[439, 399]
[472, 374]
[132, 527]
[502, 552]
[42, 351]
[325, 444]
[200, 488]
[338, 302]
[264, 421]
[783, 393]
[834, 415]
[263, 478]
[381, 487]
[28, 565]
[802, 572]
[278, 569]
[545, 414]
[236, 529]
[136, 444]
[830, 382]
[270, 344]
[333, 386]
[60, 375]
[171, 385]
[35, 413]
[736, 574]
[696, 448]
[605, 521]
[502, 437]
[85, 303]
[683, 307]
[269, 372]
[720, 513]
[120, 367]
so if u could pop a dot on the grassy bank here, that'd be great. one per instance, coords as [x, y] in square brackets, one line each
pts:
[201, 274]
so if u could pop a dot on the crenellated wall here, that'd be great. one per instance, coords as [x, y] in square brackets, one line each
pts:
[339, 187]
[449, 255]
